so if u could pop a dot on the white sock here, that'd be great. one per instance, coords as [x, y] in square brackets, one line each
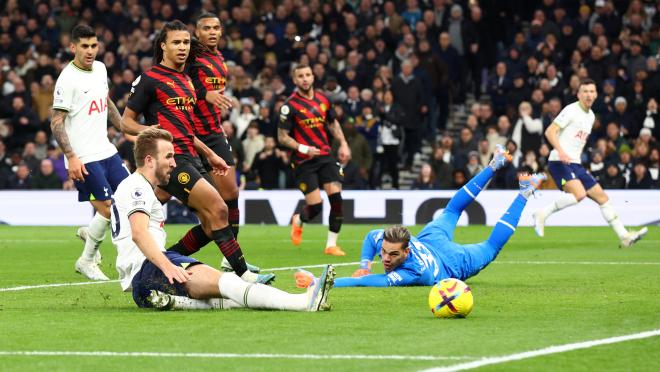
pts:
[187, 303]
[610, 215]
[332, 239]
[259, 296]
[95, 235]
[565, 200]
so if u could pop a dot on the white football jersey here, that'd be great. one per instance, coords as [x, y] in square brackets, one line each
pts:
[134, 194]
[84, 95]
[575, 126]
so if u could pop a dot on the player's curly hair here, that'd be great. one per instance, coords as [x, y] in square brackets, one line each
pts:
[147, 143]
[175, 25]
[397, 234]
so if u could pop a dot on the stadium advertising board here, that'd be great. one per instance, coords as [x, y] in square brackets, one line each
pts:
[360, 207]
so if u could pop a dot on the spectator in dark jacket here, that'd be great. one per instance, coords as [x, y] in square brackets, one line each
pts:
[22, 179]
[613, 178]
[46, 178]
[408, 94]
[426, 179]
[640, 177]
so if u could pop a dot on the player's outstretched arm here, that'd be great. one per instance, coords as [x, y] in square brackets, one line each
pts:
[143, 239]
[373, 280]
[369, 250]
[129, 123]
[114, 117]
[77, 169]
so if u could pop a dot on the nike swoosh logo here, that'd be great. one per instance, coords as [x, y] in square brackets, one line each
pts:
[85, 91]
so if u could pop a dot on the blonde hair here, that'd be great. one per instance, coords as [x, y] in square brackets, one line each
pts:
[397, 234]
[147, 143]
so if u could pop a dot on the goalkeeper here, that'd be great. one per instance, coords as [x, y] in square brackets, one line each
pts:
[432, 255]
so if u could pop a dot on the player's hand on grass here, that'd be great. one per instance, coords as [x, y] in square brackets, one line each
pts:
[218, 164]
[176, 273]
[303, 278]
[361, 272]
[77, 170]
[217, 98]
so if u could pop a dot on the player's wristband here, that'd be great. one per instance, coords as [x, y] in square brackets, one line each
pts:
[364, 264]
[303, 149]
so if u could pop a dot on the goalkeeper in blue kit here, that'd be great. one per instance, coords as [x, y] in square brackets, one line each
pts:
[432, 255]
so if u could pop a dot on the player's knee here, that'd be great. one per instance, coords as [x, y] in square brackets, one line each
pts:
[579, 195]
[336, 212]
[215, 209]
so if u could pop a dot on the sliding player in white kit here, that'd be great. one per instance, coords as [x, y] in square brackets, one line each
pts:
[167, 279]
[568, 135]
[81, 109]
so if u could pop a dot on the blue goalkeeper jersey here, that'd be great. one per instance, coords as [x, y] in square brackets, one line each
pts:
[422, 267]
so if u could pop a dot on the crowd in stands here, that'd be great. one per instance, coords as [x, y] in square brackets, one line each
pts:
[394, 70]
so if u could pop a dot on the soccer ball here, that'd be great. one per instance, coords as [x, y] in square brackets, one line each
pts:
[450, 298]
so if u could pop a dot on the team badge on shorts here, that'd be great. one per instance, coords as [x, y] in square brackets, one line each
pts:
[183, 178]
[303, 187]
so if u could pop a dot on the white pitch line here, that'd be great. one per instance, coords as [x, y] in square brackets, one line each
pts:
[545, 351]
[140, 354]
[24, 287]
[311, 266]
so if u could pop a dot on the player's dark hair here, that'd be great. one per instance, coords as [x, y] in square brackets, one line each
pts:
[206, 15]
[197, 48]
[300, 66]
[147, 143]
[586, 81]
[81, 31]
[397, 234]
[175, 25]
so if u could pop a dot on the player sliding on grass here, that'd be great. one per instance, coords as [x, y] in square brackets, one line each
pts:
[568, 134]
[432, 255]
[167, 279]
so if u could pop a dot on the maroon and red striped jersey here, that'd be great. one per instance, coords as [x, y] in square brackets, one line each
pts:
[166, 97]
[209, 72]
[307, 121]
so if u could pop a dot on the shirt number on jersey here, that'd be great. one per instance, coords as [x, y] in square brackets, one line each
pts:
[426, 258]
[115, 217]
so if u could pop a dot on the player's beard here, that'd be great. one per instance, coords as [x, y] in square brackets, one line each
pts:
[306, 91]
[163, 174]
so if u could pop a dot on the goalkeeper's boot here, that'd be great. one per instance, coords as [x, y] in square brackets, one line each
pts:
[334, 251]
[530, 183]
[318, 291]
[501, 158]
[633, 236]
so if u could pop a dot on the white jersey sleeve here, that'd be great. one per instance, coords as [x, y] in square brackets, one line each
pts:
[63, 95]
[134, 195]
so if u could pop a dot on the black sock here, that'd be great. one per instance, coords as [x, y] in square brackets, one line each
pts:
[229, 247]
[310, 211]
[336, 212]
[192, 242]
[234, 216]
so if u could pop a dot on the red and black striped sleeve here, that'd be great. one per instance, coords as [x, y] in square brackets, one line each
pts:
[142, 93]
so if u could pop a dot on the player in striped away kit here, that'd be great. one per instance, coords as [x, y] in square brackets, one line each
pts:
[305, 119]
[165, 95]
[208, 72]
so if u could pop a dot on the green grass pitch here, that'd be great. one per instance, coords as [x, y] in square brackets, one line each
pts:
[572, 286]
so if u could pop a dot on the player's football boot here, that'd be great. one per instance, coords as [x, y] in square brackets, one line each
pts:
[633, 236]
[529, 183]
[160, 300]
[334, 251]
[90, 269]
[227, 267]
[251, 277]
[296, 229]
[501, 157]
[82, 235]
[318, 291]
[539, 223]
